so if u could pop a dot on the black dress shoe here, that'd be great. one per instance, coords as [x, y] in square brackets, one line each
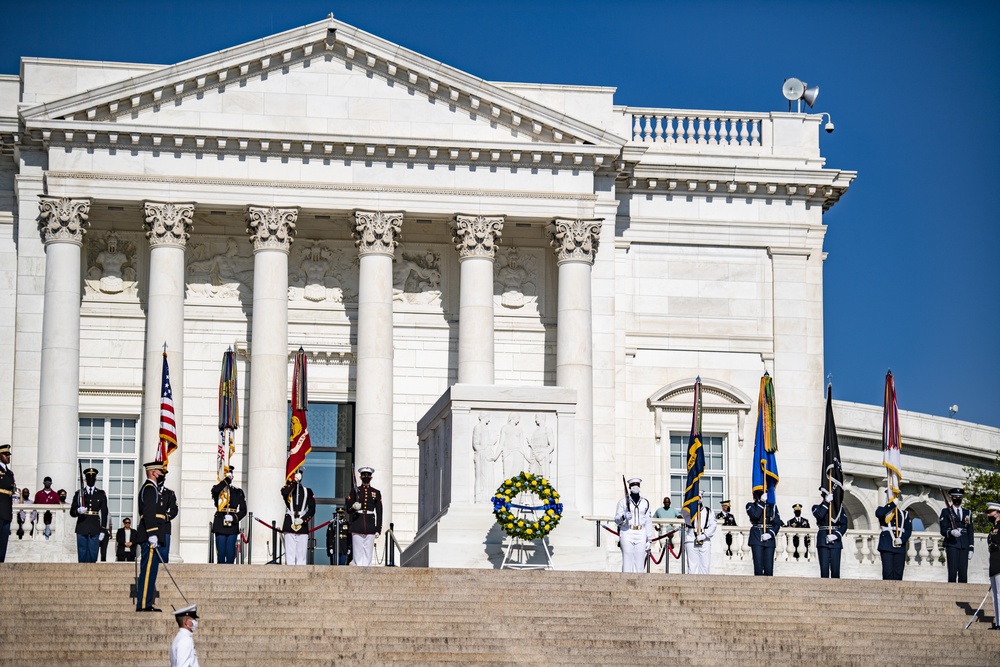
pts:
[149, 609]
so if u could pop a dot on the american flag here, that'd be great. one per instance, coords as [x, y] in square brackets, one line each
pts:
[168, 427]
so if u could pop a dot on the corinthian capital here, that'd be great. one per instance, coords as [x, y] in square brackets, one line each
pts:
[61, 219]
[476, 235]
[271, 228]
[375, 232]
[167, 224]
[575, 240]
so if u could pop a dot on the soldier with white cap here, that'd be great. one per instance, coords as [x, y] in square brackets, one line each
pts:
[300, 507]
[182, 653]
[364, 504]
[699, 529]
[635, 528]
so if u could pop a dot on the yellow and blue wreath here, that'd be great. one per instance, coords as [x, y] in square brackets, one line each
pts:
[550, 510]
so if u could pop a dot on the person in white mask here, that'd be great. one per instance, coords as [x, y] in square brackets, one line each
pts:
[635, 528]
[300, 507]
[182, 653]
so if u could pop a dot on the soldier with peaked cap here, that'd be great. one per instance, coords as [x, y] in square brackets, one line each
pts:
[699, 530]
[726, 518]
[635, 528]
[895, 526]
[152, 520]
[993, 544]
[182, 653]
[338, 539]
[956, 528]
[829, 537]
[230, 508]
[300, 507]
[364, 504]
[798, 521]
[765, 522]
[7, 490]
[168, 505]
[90, 507]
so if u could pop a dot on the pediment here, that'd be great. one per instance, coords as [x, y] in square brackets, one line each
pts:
[716, 396]
[324, 82]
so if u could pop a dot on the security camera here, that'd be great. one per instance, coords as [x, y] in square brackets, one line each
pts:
[829, 126]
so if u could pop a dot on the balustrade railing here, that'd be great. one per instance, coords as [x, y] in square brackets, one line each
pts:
[704, 128]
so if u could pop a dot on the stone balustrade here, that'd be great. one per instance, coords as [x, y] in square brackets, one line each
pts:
[707, 128]
[35, 547]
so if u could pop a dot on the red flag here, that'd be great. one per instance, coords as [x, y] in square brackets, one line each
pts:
[168, 426]
[298, 443]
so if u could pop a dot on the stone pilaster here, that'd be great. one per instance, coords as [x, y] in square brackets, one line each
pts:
[62, 222]
[271, 231]
[375, 234]
[476, 238]
[575, 245]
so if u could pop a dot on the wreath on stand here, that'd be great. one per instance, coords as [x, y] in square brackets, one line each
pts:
[519, 525]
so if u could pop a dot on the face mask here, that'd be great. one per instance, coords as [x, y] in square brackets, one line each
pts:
[194, 624]
[634, 489]
[48, 484]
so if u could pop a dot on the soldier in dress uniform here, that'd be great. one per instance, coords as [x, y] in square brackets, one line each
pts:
[364, 504]
[338, 539]
[896, 527]
[300, 507]
[993, 544]
[152, 522]
[168, 501]
[958, 533]
[726, 518]
[798, 521]
[7, 490]
[829, 537]
[635, 528]
[698, 532]
[765, 522]
[182, 653]
[90, 507]
[230, 508]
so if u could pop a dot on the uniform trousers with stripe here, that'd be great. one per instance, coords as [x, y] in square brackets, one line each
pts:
[362, 548]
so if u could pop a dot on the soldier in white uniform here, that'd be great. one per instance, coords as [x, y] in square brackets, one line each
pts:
[635, 528]
[698, 533]
[182, 653]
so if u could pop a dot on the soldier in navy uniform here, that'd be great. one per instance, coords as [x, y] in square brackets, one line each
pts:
[896, 527]
[152, 522]
[168, 503]
[364, 504]
[726, 518]
[958, 533]
[338, 537]
[7, 490]
[993, 544]
[829, 537]
[230, 508]
[765, 522]
[300, 507]
[798, 521]
[90, 507]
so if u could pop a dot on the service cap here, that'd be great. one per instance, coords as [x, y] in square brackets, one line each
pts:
[796, 506]
[993, 507]
[366, 470]
[154, 465]
[90, 472]
[635, 480]
[4, 449]
[190, 610]
[957, 492]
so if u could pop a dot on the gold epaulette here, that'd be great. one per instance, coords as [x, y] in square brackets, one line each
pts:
[6, 492]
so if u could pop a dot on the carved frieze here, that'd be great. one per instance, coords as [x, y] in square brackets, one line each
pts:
[476, 235]
[516, 278]
[61, 219]
[323, 272]
[574, 240]
[111, 265]
[416, 276]
[271, 228]
[167, 223]
[217, 270]
[377, 232]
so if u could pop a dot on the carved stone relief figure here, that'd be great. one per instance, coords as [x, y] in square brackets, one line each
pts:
[316, 279]
[511, 445]
[223, 275]
[483, 459]
[515, 278]
[416, 277]
[111, 270]
[541, 447]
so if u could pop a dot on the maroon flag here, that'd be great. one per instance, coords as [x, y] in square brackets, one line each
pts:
[298, 442]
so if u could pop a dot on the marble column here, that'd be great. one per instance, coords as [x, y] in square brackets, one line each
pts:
[575, 244]
[476, 238]
[168, 227]
[375, 234]
[271, 231]
[62, 223]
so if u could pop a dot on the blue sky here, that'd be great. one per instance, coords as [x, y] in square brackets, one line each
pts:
[912, 281]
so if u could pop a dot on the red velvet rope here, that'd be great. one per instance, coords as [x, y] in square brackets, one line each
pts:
[270, 527]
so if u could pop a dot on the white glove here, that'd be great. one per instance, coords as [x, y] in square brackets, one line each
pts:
[830, 539]
[101, 538]
[828, 497]
[628, 516]
[955, 532]
[764, 537]
[356, 506]
[82, 509]
[649, 547]
[153, 541]
[229, 517]
[971, 554]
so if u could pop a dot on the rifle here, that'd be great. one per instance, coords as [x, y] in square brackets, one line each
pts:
[947, 503]
[625, 486]
[80, 464]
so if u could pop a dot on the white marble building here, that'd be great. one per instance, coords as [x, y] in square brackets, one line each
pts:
[535, 261]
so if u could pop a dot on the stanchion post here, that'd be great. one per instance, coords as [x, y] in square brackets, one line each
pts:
[211, 544]
[274, 541]
[390, 550]
[249, 544]
[598, 522]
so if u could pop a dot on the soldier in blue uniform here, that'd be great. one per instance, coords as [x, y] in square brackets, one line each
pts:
[726, 518]
[896, 527]
[338, 539]
[168, 502]
[7, 490]
[230, 508]
[364, 504]
[798, 521]
[956, 528]
[152, 523]
[90, 507]
[765, 524]
[830, 536]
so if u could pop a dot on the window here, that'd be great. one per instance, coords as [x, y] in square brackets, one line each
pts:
[328, 465]
[109, 444]
[713, 482]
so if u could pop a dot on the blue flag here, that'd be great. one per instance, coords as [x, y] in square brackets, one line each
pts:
[695, 457]
[765, 466]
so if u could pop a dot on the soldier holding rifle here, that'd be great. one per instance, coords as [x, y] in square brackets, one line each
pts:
[957, 531]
